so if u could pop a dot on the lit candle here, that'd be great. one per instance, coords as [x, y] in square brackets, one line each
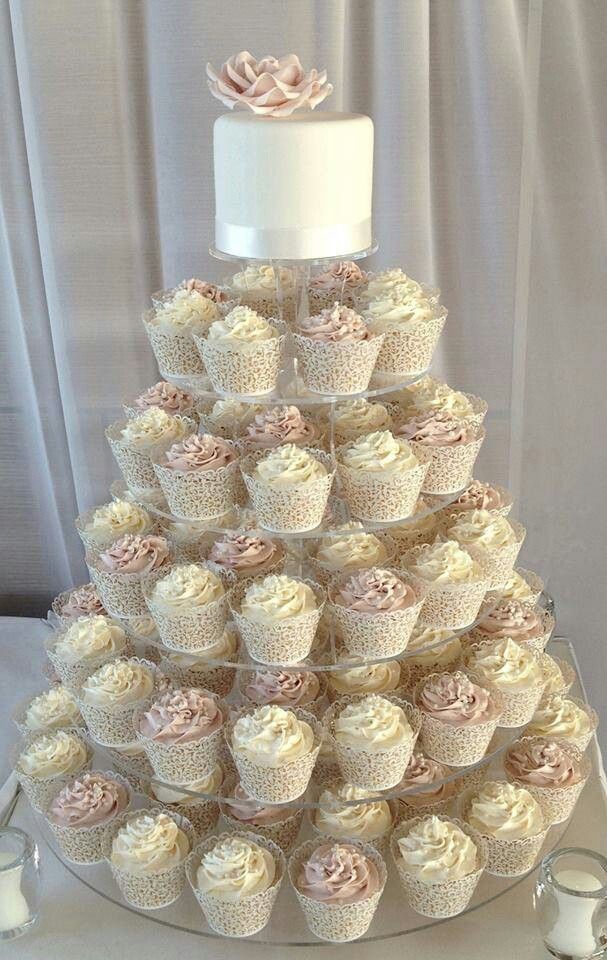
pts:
[572, 933]
[14, 911]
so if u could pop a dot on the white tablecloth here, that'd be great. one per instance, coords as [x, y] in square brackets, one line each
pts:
[77, 922]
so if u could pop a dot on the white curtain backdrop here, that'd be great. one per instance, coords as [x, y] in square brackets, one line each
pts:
[490, 120]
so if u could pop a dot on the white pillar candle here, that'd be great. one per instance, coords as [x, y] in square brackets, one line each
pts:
[572, 933]
[14, 911]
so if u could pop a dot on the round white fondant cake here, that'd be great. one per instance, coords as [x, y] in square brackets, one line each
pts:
[294, 187]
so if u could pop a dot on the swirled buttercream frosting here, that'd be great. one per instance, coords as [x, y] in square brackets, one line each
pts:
[53, 755]
[148, 844]
[422, 771]
[291, 688]
[51, 710]
[135, 554]
[399, 311]
[384, 283]
[376, 591]
[276, 598]
[188, 311]
[338, 873]
[337, 324]
[241, 328]
[506, 665]
[561, 718]
[372, 724]
[437, 429]
[435, 851]
[456, 700]
[235, 868]
[381, 677]
[338, 817]
[517, 588]
[504, 811]
[244, 808]
[360, 416]
[481, 496]
[224, 649]
[343, 275]
[166, 396]
[379, 452]
[261, 278]
[91, 799]
[209, 290]
[355, 550]
[289, 465]
[542, 763]
[89, 638]
[511, 618]
[187, 587]
[114, 519]
[152, 427]
[483, 529]
[271, 736]
[181, 716]
[277, 425]
[429, 394]
[82, 601]
[175, 793]
[444, 562]
[431, 646]
[199, 452]
[244, 554]
[117, 683]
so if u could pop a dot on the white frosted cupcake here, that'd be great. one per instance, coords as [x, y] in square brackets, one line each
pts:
[120, 572]
[343, 814]
[420, 527]
[101, 527]
[289, 487]
[491, 540]
[430, 650]
[173, 400]
[227, 418]
[381, 476]
[373, 737]
[355, 550]
[429, 395]
[381, 677]
[189, 607]
[109, 697]
[523, 585]
[257, 287]
[132, 442]
[456, 583]
[207, 668]
[510, 822]
[459, 718]
[553, 771]
[355, 418]
[564, 718]
[85, 644]
[439, 863]
[274, 750]
[394, 281]
[451, 445]
[277, 617]
[513, 669]
[171, 325]
[235, 879]
[44, 761]
[243, 352]
[336, 351]
[146, 851]
[53, 709]
[199, 476]
[195, 800]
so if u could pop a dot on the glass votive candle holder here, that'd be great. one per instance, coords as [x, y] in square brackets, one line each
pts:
[19, 882]
[570, 902]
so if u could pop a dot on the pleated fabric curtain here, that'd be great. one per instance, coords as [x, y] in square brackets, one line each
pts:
[490, 121]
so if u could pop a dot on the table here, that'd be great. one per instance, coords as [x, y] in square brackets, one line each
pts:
[76, 920]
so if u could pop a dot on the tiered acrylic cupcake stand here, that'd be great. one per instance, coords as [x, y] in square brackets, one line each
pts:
[287, 926]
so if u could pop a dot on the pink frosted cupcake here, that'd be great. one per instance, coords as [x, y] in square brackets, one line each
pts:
[336, 350]
[118, 573]
[483, 496]
[341, 281]
[240, 556]
[277, 425]
[491, 539]
[278, 822]
[453, 446]
[554, 772]
[519, 621]
[425, 789]
[199, 476]
[287, 688]
[164, 395]
[459, 718]
[79, 602]
[81, 811]
[171, 324]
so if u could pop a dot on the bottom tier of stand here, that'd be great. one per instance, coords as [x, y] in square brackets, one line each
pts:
[287, 926]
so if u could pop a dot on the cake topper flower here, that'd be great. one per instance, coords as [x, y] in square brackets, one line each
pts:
[269, 87]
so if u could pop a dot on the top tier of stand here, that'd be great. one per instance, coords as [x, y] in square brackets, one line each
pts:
[314, 262]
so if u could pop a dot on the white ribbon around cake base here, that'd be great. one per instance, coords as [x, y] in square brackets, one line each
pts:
[303, 243]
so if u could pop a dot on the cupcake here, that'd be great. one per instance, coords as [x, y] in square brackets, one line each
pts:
[563, 718]
[425, 788]
[119, 572]
[182, 733]
[132, 442]
[336, 351]
[286, 688]
[510, 822]
[411, 325]
[53, 709]
[516, 671]
[101, 527]
[274, 751]
[355, 550]
[243, 352]
[240, 556]
[289, 487]
[381, 677]
[491, 540]
[110, 696]
[394, 281]
[189, 607]
[431, 650]
[381, 476]
[439, 863]
[559, 676]
[236, 879]
[280, 823]
[344, 812]
[194, 800]
[277, 617]
[186, 538]
[482, 496]
[85, 644]
[46, 760]
[459, 718]
[338, 886]
[268, 290]
[373, 737]
[199, 476]
[420, 527]
[554, 772]
[451, 445]
[171, 326]
[80, 812]
[356, 418]
[375, 611]
[512, 618]
[207, 668]
[456, 584]
[342, 281]
[228, 418]
[146, 851]
[274, 426]
[429, 395]
[523, 585]
[79, 602]
[165, 396]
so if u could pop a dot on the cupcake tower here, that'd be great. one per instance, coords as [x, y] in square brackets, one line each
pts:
[305, 655]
